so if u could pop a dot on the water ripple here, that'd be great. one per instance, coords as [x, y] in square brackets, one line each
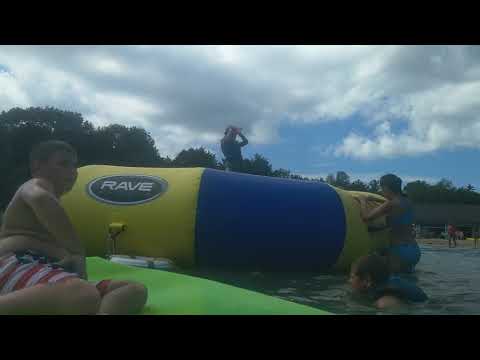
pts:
[448, 276]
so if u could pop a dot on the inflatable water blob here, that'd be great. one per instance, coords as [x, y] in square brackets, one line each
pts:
[210, 218]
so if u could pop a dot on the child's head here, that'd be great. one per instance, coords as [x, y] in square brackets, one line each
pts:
[56, 161]
[367, 272]
[391, 185]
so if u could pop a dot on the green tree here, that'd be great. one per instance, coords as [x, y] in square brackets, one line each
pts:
[418, 191]
[374, 186]
[22, 128]
[196, 158]
[342, 179]
[319, 179]
[258, 165]
[303, 178]
[125, 146]
[444, 184]
[330, 179]
[282, 173]
[358, 185]
[5, 164]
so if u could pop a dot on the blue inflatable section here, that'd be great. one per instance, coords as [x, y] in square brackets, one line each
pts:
[267, 223]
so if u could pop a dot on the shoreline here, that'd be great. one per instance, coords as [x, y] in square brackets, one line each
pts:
[443, 243]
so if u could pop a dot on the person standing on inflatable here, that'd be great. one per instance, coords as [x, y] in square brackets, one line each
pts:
[403, 253]
[232, 149]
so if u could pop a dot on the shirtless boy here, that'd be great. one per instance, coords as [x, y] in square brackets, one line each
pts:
[42, 260]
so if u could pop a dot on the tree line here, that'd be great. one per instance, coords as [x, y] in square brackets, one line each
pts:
[121, 145]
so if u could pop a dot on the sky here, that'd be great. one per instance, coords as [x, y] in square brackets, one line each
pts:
[365, 110]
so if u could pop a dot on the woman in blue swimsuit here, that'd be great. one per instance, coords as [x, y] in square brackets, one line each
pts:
[403, 253]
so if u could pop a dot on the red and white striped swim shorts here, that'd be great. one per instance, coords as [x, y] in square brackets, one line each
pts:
[27, 270]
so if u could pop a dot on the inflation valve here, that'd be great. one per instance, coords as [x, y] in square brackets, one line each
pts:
[114, 229]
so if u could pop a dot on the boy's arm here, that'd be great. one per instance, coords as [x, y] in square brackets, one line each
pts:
[52, 216]
[375, 199]
[375, 213]
[363, 206]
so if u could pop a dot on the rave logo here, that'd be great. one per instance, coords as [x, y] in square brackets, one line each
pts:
[126, 189]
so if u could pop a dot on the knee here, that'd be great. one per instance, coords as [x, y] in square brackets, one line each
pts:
[134, 289]
[83, 297]
[138, 291]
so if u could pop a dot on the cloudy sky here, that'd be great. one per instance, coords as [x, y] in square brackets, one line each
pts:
[366, 110]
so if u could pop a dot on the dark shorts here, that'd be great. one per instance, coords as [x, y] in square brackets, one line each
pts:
[407, 253]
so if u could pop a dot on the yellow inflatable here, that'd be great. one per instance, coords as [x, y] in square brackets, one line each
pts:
[205, 217]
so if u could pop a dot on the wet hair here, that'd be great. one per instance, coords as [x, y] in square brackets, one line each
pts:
[371, 265]
[393, 182]
[44, 150]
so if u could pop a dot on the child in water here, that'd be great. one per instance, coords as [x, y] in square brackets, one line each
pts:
[403, 253]
[42, 260]
[370, 277]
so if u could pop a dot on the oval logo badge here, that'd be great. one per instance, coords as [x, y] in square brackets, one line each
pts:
[126, 189]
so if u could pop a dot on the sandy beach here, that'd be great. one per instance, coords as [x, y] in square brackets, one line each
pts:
[443, 243]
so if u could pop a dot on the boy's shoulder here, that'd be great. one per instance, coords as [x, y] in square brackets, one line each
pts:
[34, 185]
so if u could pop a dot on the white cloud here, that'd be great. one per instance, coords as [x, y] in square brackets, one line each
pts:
[186, 95]
[108, 66]
[436, 91]
[11, 93]
[124, 109]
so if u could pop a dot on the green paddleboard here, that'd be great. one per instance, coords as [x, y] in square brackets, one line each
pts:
[170, 293]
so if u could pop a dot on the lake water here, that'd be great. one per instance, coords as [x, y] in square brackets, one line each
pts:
[450, 277]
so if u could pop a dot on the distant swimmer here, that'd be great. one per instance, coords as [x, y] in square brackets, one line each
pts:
[452, 235]
[232, 149]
